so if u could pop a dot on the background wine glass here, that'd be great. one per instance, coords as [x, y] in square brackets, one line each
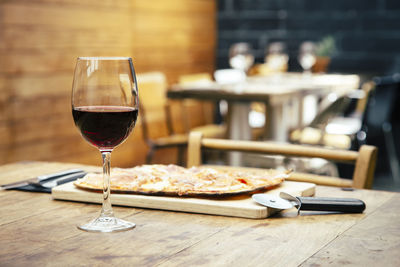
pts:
[307, 56]
[276, 57]
[241, 56]
[105, 109]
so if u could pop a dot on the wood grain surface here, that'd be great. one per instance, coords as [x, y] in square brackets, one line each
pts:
[40, 41]
[38, 231]
[236, 206]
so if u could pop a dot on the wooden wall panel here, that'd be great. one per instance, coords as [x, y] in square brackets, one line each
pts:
[64, 16]
[40, 41]
[179, 36]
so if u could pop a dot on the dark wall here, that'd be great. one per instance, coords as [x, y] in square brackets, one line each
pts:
[367, 32]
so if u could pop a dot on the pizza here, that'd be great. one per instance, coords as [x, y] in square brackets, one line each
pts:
[171, 179]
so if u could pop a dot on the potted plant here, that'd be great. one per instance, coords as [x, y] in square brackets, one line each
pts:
[324, 51]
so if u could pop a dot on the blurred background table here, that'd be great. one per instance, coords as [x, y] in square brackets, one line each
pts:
[38, 231]
[282, 95]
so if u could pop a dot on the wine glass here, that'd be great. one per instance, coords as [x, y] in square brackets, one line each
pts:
[241, 56]
[105, 108]
[307, 56]
[276, 57]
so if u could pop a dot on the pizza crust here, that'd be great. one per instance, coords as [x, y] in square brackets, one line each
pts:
[174, 180]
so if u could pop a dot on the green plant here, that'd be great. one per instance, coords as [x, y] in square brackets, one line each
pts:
[326, 47]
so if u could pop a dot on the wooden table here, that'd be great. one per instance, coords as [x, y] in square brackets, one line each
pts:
[38, 231]
[283, 96]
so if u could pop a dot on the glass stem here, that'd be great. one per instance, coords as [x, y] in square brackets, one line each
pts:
[106, 210]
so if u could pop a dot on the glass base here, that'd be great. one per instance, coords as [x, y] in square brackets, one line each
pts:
[107, 225]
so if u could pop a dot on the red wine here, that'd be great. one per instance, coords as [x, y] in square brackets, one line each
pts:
[105, 126]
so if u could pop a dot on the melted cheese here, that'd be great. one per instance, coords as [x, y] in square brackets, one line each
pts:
[179, 180]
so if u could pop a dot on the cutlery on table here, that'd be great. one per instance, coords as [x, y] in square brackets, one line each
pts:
[48, 180]
[287, 201]
[61, 180]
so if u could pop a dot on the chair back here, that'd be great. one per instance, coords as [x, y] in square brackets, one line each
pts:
[152, 97]
[206, 108]
[153, 87]
[335, 108]
[381, 123]
[196, 78]
[382, 102]
[363, 160]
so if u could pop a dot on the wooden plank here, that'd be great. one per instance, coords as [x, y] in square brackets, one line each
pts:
[41, 40]
[320, 179]
[30, 86]
[128, 155]
[54, 61]
[64, 16]
[200, 112]
[364, 177]
[194, 149]
[5, 133]
[41, 128]
[115, 4]
[176, 39]
[50, 37]
[21, 62]
[62, 127]
[37, 107]
[290, 239]
[177, 6]
[281, 149]
[68, 148]
[42, 136]
[283, 246]
[43, 218]
[241, 206]
[361, 245]
[44, 150]
[124, 157]
[41, 230]
[50, 149]
[176, 22]
[49, 139]
[13, 210]
[187, 55]
[25, 106]
[14, 172]
[39, 245]
[5, 97]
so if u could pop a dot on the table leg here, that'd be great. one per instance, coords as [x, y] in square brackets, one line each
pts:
[277, 125]
[300, 109]
[284, 115]
[239, 128]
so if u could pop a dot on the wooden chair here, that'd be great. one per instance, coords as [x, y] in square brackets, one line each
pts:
[208, 108]
[331, 127]
[381, 121]
[156, 117]
[364, 159]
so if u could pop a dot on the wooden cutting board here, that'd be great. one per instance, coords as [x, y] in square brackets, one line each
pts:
[238, 206]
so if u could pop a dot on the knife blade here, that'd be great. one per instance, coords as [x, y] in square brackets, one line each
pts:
[39, 179]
